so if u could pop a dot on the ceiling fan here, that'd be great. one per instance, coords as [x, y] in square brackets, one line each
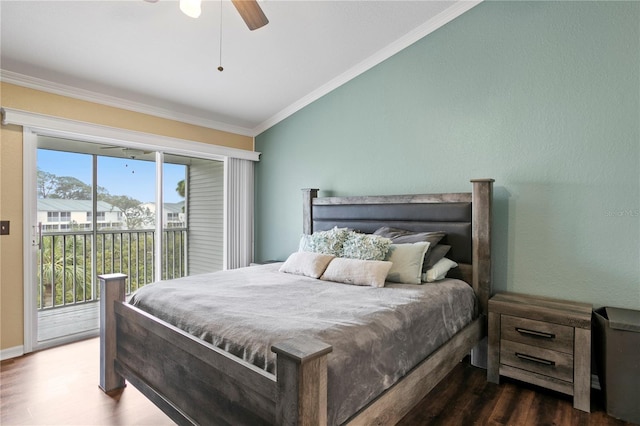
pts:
[131, 153]
[249, 10]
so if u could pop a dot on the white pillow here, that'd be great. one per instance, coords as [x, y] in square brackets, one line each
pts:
[439, 270]
[306, 263]
[407, 262]
[357, 272]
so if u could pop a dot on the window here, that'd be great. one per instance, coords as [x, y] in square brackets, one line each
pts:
[100, 217]
[58, 216]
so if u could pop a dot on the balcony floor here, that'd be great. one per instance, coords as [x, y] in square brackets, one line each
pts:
[81, 320]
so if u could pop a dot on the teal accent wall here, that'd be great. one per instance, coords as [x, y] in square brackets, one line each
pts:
[544, 97]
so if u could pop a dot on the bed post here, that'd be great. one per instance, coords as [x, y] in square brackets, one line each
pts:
[111, 291]
[308, 194]
[302, 382]
[482, 201]
[482, 197]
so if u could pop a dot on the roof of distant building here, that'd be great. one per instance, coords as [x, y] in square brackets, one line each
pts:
[62, 205]
[174, 207]
[168, 207]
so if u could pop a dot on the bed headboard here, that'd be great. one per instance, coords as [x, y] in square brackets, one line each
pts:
[465, 217]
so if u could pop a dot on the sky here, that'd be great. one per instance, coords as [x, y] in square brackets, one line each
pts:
[120, 176]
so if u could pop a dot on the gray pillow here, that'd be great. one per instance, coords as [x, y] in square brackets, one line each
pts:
[434, 255]
[404, 236]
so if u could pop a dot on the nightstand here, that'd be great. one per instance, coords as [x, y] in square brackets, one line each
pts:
[543, 341]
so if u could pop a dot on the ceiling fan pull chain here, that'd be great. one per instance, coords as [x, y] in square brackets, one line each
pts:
[220, 60]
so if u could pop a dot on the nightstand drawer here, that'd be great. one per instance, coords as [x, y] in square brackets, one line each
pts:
[538, 360]
[537, 333]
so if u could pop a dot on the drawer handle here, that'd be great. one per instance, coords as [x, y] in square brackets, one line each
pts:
[535, 333]
[535, 359]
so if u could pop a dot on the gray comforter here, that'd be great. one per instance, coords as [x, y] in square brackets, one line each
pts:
[377, 334]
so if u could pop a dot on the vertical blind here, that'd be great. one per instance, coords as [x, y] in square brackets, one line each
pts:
[205, 216]
[239, 212]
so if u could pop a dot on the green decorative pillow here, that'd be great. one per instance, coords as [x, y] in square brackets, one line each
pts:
[325, 242]
[365, 246]
[407, 262]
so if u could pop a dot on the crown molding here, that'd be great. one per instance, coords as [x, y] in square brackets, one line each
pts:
[112, 101]
[407, 40]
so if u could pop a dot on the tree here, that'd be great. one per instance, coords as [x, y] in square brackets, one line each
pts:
[63, 187]
[57, 269]
[136, 215]
[70, 188]
[47, 183]
[180, 188]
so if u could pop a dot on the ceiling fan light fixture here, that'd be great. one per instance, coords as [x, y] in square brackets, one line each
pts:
[191, 8]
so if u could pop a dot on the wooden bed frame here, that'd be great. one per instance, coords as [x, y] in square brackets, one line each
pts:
[194, 382]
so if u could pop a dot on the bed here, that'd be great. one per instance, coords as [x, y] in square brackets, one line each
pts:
[194, 381]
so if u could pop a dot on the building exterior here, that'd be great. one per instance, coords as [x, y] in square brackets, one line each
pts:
[62, 215]
[173, 215]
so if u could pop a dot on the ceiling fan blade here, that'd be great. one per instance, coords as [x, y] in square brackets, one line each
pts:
[251, 13]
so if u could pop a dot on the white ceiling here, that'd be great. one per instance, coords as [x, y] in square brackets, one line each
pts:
[150, 57]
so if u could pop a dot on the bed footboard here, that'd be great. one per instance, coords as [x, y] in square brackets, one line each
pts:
[194, 382]
[302, 382]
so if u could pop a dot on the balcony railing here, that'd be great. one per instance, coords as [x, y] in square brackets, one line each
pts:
[68, 267]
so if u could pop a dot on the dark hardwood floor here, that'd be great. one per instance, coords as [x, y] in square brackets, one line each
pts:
[465, 397]
[59, 386]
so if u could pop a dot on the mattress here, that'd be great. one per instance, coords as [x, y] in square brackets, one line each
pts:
[377, 334]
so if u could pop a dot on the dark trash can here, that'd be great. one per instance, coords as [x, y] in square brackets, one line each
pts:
[617, 350]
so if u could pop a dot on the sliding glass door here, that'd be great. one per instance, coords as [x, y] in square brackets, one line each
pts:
[64, 245]
[101, 209]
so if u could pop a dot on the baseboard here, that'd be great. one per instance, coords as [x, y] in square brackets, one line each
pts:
[9, 353]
